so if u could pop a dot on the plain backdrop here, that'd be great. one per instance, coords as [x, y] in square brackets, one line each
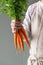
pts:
[8, 55]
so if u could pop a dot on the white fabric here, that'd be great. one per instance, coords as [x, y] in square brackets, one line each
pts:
[33, 18]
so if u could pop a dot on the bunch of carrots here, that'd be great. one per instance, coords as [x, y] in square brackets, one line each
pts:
[19, 36]
[16, 9]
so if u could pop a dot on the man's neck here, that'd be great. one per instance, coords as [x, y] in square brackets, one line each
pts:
[42, 1]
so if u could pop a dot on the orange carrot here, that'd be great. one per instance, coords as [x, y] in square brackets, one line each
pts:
[22, 43]
[18, 40]
[25, 36]
[15, 39]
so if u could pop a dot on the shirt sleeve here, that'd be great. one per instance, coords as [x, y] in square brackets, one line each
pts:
[27, 21]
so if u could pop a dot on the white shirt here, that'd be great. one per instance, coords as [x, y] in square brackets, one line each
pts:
[31, 23]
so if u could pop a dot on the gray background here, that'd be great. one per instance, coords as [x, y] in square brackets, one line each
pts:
[8, 55]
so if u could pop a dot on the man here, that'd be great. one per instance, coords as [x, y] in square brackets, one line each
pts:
[33, 24]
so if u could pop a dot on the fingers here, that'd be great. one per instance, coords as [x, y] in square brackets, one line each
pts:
[13, 26]
[13, 23]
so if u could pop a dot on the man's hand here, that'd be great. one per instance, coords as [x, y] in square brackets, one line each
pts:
[13, 22]
[19, 35]
[15, 25]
